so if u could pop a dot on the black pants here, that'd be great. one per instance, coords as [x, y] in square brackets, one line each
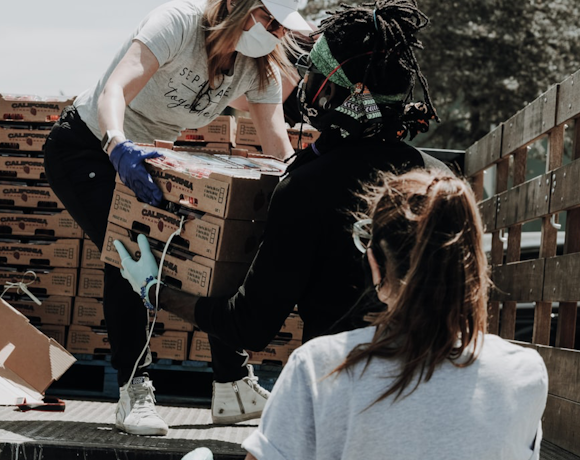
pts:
[83, 178]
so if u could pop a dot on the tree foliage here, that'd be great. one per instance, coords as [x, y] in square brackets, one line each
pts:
[486, 59]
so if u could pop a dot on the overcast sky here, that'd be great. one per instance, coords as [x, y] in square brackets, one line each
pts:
[49, 48]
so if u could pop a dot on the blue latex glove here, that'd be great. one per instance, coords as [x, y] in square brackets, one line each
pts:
[128, 160]
[142, 274]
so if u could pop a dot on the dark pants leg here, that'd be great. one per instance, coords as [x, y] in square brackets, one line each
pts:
[83, 178]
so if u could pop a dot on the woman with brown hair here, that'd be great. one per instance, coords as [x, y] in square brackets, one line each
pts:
[183, 65]
[424, 380]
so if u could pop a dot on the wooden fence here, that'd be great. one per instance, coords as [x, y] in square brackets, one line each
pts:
[550, 282]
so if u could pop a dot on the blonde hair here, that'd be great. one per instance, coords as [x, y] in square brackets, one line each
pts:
[223, 31]
[427, 225]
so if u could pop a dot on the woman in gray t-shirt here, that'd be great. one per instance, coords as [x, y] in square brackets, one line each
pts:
[183, 65]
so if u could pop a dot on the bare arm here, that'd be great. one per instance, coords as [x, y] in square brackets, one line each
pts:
[271, 128]
[250, 457]
[129, 77]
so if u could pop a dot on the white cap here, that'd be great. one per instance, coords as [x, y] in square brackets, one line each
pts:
[286, 13]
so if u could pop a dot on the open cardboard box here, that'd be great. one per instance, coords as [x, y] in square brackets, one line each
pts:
[29, 360]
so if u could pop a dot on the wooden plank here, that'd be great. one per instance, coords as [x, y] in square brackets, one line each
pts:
[568, 105]
[484, 153]
[518, 281]
[542, 323]
[493, 317]
[563, 367]
[565, 193]
[561, 278]
[476, 182]
[524, 202]
[508, 320]
[487, 210]
[560, 423]
[566, 331]
[533, 121]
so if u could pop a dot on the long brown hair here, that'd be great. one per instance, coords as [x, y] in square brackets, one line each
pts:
[223, 31]
[427, 225]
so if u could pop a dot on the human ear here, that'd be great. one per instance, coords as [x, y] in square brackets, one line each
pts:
[375, 269]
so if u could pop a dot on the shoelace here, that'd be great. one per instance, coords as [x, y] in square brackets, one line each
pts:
[143, 397]
[252, 380]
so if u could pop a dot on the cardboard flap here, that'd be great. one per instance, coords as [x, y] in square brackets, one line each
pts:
[30, 360]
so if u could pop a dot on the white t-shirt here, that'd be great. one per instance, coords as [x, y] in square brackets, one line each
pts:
[490, 410]
[178, 94]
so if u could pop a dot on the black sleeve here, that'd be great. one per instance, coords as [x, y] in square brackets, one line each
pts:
[277, 277]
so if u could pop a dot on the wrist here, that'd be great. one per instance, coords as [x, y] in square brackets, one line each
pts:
[148, 291]
[111, 138]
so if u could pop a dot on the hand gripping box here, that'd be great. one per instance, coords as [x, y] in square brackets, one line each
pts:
[27, 196]
[58, 224]
[191, 273]
[31, 108]
[29, 360]
[226, 186]
[209, 236]
[59, 253]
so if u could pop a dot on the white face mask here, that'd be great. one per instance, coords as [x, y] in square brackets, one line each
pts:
[257, 41]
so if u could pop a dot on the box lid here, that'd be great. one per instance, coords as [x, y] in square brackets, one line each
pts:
[29, 360]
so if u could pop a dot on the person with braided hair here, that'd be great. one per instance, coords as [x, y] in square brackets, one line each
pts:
[357, 89]
[424, 380]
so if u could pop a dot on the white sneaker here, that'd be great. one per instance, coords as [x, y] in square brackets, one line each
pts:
[136, 409]
[237, 401]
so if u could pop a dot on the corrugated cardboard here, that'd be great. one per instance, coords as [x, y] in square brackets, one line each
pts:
[28, 196]
[171, 322]
[29, 361]
[91, 256]
[87, 340]
[222, 129]
[91, 283]
[203, 234]
[31, 108]
[169, 345]
[275, 353]
[309, 135]
[216, 185]
[88, 312]
[43, 281]
[246, 132]
[54, 331]
[58, 224]
[58, 253]
[23, 139]
[21, 167]
[191, 273]
[52, 310]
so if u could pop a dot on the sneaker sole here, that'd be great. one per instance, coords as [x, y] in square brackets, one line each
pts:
[142, 431]
[229, 419]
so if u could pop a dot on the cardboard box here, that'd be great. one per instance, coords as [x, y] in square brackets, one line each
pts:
[31, 108]
[171, 322]
[293, 328]
[87, 340]
[43, 281]
[203, 234]
[169, 345]
[88, 312]
[91, 256]
[54, 331]
[91, 283]
[21, 167]
[275, 353]
[309, 135]
[29, 360]
[28, 196]
[222, 129]
[223, 189]
[59, 253]
[23, 139]
[246, 132]
[189, 272]
[58, 224]
[53, 310]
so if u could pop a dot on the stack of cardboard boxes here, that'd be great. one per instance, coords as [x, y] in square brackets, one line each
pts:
[40, 244]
